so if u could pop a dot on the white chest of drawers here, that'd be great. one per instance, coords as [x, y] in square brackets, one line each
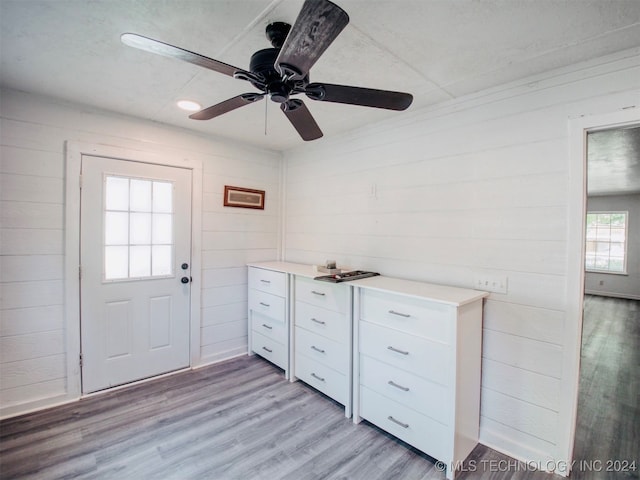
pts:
[268, 314]
[417, 357]
[323, 338]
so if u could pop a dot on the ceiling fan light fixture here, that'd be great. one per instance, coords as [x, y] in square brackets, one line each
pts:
[189, 105]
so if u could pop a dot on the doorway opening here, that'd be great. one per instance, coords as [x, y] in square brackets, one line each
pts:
[607, 430]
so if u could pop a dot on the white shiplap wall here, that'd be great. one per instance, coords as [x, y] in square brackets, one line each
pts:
[33, 132]
[478, 185]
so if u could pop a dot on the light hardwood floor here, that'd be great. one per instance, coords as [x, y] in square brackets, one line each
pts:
[241, 419]
[608, 426]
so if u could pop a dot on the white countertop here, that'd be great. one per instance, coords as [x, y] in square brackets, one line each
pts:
[288, 267]
[438, 293]
[455, 296]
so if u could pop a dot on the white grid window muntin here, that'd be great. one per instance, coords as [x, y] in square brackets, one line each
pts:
[606, 242]
[138, 228]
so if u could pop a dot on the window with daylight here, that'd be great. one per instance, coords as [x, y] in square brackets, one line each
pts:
[606, 248]
[138, 228]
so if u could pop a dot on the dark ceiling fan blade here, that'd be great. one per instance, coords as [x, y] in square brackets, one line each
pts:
[227, 106]
[366, 97]
[301, 119]
[166, 50]
[318, 24]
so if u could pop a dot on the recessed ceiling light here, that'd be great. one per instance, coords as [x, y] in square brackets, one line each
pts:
[189, 105]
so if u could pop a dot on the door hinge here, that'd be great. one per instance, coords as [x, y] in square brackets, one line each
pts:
[80, 181]
[79, 272]
[80, 360]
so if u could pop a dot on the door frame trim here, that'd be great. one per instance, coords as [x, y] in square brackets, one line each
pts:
[577, 208]
[73, 155]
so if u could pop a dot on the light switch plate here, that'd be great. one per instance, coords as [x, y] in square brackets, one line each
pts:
[491, 283]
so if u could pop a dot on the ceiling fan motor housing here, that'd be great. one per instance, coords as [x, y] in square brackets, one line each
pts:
[263, 64]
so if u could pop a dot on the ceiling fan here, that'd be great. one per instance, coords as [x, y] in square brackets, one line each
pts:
[282, 72]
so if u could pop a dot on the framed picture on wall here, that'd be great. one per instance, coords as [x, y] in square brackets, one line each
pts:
[243, 197]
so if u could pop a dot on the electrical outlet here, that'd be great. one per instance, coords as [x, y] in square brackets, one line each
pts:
[491, 283]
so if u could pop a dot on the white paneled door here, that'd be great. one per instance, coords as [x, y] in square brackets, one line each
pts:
[135, 249]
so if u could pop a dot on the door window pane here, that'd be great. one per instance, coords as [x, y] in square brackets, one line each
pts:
[138, 228]
[162, 259]
[139, 261]
[116, 228]
[116, 262]
[140, 195]
[162, 228]
[162, 197]
[117, 193]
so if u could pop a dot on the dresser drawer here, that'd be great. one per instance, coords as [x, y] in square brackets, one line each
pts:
[426, 397]
[328, 323]
[331, 296]
[431, 320]
[268, 348]
[267, 326]
[268, 281]
[422, 357]
[267, 304]
[426, 434]
[328, 381]
[328, 352]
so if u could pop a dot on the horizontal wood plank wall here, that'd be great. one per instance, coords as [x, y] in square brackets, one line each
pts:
[33, 132]
[475, 186]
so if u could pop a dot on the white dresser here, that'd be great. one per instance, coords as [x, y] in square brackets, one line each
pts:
[323, 337]
[403, 355]
[268, 315]
[417, 358]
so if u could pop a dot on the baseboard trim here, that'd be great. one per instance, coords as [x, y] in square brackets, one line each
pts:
[627, 296]
[59, 400]
[532, 458]
[36, 405]
[221, 357]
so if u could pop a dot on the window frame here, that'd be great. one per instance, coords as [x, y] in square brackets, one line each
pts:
[129, 245]
[626, 242]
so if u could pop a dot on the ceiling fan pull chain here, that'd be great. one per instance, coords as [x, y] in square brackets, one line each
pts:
[265, 118]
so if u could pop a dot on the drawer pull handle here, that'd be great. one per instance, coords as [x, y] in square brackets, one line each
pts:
[394, 384]
[318, 377]
[267, 326]
[264, 304]
[321, 322]
[265, 281]
[401, 352]
[405, 315]
[317, 349]
[317, 293]
[403, 425]
[267, 349]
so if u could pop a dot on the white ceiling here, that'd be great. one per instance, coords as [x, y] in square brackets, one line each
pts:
[435, 49]
[613, 161]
